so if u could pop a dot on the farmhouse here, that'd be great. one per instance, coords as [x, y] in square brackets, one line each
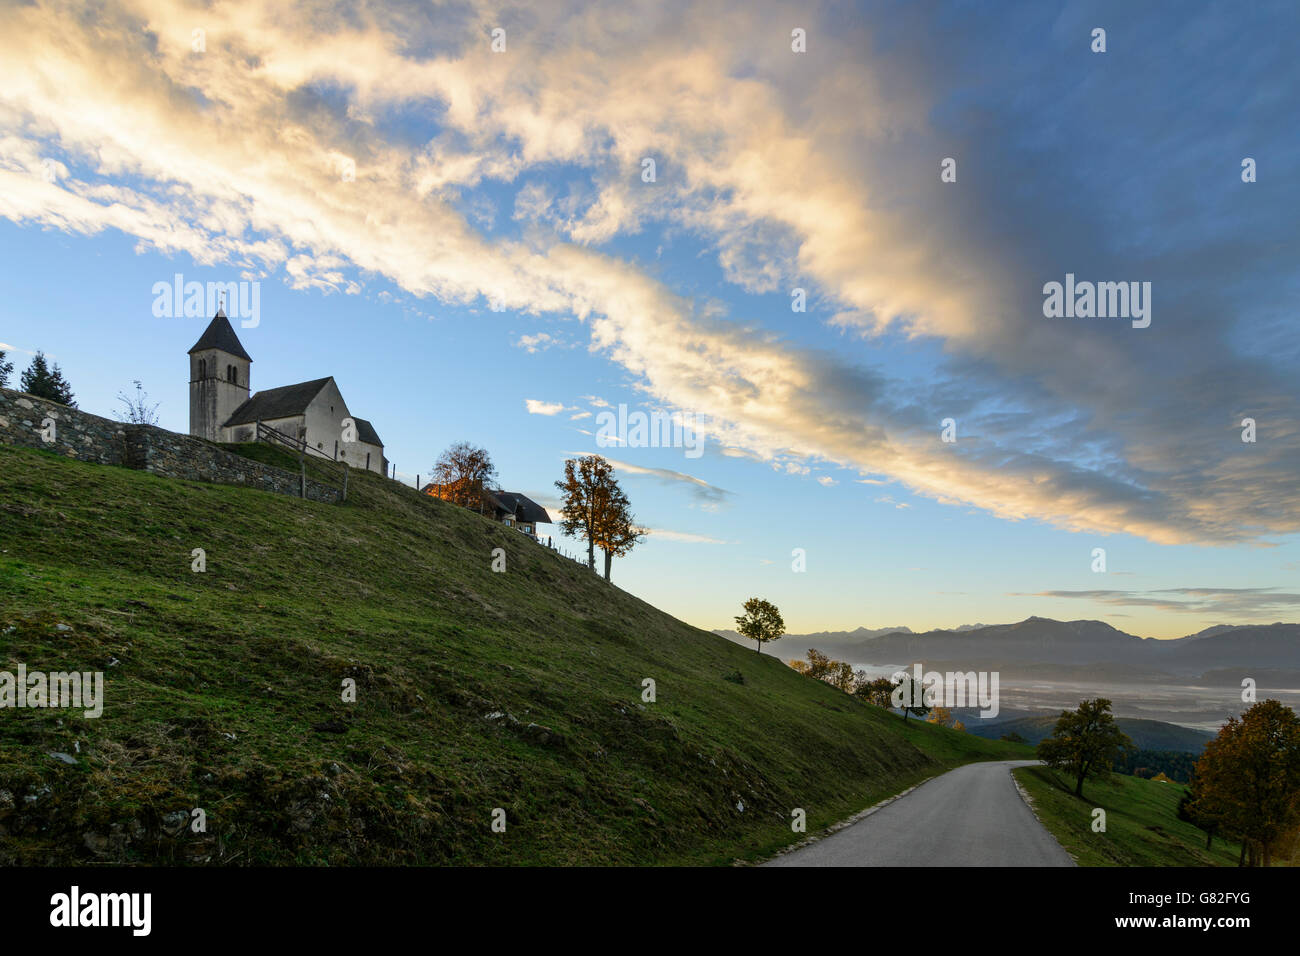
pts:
[312, 414]
[517, 511]
[511, 508]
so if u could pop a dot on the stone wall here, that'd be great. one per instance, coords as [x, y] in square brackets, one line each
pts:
[23, 418]
[28, 421]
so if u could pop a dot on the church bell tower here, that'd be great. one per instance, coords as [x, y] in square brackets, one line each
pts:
[219, 378]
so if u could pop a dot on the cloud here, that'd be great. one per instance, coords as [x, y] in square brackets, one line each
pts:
[536, 343]
[708, 496]
[537, 407]
[660, 534]
[827, 481]
[1229, 602]
[341, 146]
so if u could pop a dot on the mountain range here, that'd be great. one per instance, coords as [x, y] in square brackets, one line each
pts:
[1145, 734]
[1045, 648]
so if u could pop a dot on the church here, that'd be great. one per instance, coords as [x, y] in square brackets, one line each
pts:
[311, 413]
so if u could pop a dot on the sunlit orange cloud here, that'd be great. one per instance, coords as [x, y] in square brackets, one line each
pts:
[230, 155]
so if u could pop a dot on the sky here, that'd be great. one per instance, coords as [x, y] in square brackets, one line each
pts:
[823, 233]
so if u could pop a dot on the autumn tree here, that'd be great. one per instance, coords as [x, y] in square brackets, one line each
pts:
[842, 677]
[615, 529]
[1085, 742]
[1192, 809]
[44, 381]
[463, 474]
[819, 665]
[761, 622]
[1248, 779]
[874, 691]
[941, 716]
[586, 493]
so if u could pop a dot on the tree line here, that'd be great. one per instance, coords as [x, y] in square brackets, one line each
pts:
[1177, 765]
[889, 693]
[762, 623]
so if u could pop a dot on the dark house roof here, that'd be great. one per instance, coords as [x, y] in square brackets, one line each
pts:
[284, 402]
[366, 432]
[220, 335]
[519, 505]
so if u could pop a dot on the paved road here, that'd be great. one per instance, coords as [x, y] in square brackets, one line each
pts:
[971, 816]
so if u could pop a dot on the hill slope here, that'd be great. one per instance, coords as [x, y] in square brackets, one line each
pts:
[1142, 825]
[475, 690]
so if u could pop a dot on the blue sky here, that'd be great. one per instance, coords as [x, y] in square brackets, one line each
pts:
[383, 173]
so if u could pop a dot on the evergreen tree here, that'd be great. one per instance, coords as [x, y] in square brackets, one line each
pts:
[41, 380]
[5, 369]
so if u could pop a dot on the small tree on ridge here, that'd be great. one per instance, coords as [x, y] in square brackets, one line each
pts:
[761, 622]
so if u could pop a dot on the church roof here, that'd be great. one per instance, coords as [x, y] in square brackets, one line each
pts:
[521, 506]
[220, 335]
[366, 432]
[283, 402]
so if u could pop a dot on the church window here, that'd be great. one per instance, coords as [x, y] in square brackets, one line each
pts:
[203, 369]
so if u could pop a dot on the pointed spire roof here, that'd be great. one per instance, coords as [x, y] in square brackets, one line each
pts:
[220, 335]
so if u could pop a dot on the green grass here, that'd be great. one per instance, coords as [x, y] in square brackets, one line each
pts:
[1142, 825]
[223, 691]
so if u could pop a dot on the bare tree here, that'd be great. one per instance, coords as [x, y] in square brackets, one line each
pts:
[138, 411]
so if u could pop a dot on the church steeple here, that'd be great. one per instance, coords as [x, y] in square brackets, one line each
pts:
[221, 335]
[219, 378]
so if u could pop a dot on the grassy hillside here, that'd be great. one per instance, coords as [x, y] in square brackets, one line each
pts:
[476, 690]
[1142, 825]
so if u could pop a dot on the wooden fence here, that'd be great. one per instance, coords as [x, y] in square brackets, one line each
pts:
[334, 472]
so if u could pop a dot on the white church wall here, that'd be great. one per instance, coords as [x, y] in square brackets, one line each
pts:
[325, 419]
[288, 426]
[357, 452]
